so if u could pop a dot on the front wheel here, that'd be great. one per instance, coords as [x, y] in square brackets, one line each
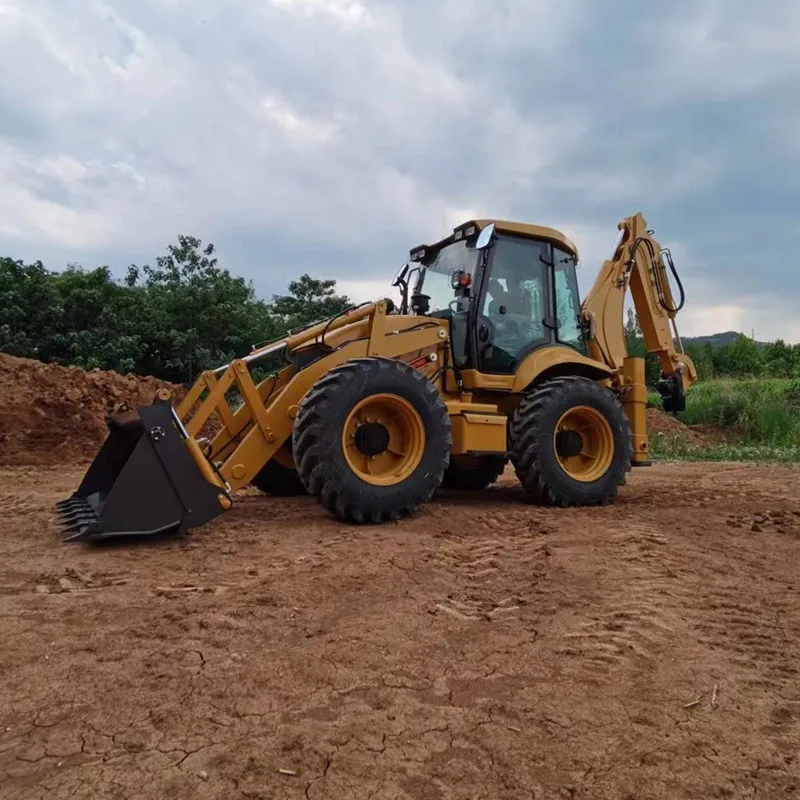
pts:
[372, 440]
[571, 443]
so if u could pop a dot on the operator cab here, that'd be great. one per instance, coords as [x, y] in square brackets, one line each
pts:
[507, 289]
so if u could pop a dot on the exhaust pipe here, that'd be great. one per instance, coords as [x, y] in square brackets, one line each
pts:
[149, 478]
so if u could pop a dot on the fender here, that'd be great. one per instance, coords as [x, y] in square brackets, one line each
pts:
[557, 360]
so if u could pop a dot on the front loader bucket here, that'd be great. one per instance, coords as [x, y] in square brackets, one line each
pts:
[144, 481]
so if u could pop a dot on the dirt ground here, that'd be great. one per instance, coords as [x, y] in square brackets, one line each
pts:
[484, 649]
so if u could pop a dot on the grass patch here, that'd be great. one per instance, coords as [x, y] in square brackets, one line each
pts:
[767, 411]
[764, 413]
[672, 448]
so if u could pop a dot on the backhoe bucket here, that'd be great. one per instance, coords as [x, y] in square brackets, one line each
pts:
[144, 481]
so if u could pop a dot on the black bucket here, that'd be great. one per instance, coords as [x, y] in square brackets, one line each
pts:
[144, 481]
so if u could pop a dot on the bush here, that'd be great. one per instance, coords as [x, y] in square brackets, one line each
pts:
[766, 410]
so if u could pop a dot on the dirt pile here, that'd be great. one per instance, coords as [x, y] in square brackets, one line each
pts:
[668, 427]
[50, 414]
[692, 436]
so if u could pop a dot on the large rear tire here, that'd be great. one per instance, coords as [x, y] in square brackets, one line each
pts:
[473, 473]
[279, 480]
[571, 443]
[372, 440]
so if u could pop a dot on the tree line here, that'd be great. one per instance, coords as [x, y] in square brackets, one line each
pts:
[187, 313]
[171, 320]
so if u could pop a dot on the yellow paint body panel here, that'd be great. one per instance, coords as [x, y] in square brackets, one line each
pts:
[508, 226]
[538, 362]
[479, 433]
[534, 365]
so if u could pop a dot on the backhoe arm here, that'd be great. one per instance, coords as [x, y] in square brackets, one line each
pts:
[641, 263]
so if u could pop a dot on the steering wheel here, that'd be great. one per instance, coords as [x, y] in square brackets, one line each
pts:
[509, 328]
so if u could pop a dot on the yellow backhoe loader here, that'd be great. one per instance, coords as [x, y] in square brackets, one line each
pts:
[489, 357]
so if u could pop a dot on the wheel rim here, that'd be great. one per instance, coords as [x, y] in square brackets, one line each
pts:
[584, 443]
[383, 439]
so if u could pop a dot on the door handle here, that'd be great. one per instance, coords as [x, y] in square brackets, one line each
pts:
[483, 332]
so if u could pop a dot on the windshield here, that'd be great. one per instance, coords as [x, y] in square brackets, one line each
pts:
[435, 280]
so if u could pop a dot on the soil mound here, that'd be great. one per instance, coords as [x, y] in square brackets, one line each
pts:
[50, 414]
[669, 427]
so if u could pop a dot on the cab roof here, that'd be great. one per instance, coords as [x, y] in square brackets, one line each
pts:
[507, 226]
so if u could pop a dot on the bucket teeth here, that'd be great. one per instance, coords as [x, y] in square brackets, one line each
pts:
[81, 519]
[75, 535]
[76, 514]
[77, 518]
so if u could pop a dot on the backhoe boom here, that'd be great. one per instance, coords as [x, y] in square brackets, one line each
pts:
[639, 263]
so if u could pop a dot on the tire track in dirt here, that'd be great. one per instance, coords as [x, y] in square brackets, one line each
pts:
[493, 568]
[636, 609]
[752, 637]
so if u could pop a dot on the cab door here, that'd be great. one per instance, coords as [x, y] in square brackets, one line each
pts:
[513, 311]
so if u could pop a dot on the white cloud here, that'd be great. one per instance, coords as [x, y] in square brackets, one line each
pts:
[330, 136]
[296, 126]
[719, 49]
[705, 320]
[349, 12]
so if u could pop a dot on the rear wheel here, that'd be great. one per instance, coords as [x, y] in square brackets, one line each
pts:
[473, 473]
[372, 440]
[571, 443]
[278, 477]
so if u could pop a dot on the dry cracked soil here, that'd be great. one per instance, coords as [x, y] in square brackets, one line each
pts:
[486, 648]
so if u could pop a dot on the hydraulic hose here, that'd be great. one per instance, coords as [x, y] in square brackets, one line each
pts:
[670, 309]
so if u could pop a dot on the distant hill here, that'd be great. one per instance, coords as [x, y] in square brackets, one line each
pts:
[717, 339]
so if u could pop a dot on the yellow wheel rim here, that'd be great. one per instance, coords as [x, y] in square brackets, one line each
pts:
[584, 443]
[383, 439]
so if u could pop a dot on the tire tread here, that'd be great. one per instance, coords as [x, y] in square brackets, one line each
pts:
[527, 432]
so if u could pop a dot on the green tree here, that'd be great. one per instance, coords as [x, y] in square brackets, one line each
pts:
[720, 359]
[744, 357]
[29, 309]
[198, 314]
[99, 322]
[780, 359]
[310, 300]
[171, 320]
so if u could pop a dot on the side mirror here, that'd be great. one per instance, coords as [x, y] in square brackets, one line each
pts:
[401, 274]
[485, 237]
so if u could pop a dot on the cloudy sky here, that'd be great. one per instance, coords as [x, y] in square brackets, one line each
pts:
[330, 136]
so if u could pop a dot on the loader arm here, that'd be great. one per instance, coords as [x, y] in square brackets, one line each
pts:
[639, 262]
[154, 476]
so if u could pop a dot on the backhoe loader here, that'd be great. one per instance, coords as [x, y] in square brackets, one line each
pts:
[489, 357]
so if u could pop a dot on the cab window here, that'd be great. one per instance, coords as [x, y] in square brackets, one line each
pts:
[514, 305]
